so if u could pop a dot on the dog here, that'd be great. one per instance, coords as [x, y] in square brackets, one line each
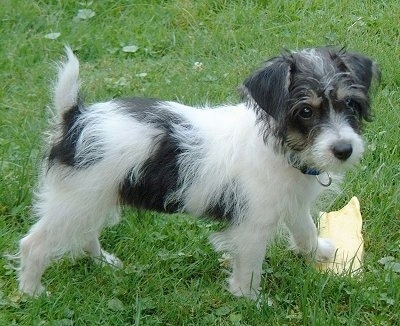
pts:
[255, 165]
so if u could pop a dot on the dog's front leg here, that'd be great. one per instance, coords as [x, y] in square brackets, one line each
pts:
[247, 243]
[305, 240]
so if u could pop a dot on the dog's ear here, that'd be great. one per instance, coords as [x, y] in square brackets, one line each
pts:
[269, 86]
[363, 68]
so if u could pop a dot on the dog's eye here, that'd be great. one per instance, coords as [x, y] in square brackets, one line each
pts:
[306, 112]
[352, 104]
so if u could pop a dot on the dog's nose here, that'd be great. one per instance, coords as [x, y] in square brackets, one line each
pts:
[342, 150]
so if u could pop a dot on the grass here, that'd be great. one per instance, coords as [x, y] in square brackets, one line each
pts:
[171, 276]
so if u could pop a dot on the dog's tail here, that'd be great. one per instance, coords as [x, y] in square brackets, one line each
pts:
[67, 87]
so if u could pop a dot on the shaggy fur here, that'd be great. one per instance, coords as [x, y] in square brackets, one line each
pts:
[252, 165]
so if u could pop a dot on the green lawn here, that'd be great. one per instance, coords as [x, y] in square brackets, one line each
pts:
[171, 276]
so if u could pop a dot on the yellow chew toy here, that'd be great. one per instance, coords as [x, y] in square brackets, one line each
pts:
[343, 227]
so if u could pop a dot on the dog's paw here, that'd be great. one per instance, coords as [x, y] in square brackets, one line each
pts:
[325, 250]
[238, 290]
[109, 259]
[31, 289]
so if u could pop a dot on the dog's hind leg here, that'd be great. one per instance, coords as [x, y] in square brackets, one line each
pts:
[72, 212]
[34, 258]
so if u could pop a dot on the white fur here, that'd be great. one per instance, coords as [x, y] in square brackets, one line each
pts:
[73, 205]
[67, 87]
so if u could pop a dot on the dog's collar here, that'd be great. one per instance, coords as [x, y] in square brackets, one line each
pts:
[311, 171]
[317, 173]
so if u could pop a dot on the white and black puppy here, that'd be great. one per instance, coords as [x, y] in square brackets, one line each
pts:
[255, 165]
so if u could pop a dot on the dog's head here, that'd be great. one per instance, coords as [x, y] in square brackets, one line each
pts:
[314, 103]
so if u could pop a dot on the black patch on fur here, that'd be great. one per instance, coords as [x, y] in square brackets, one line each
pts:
[139, 106]
[151, 111]
[158, 176]
[225, 208]
[220, 212]
[63, 150]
